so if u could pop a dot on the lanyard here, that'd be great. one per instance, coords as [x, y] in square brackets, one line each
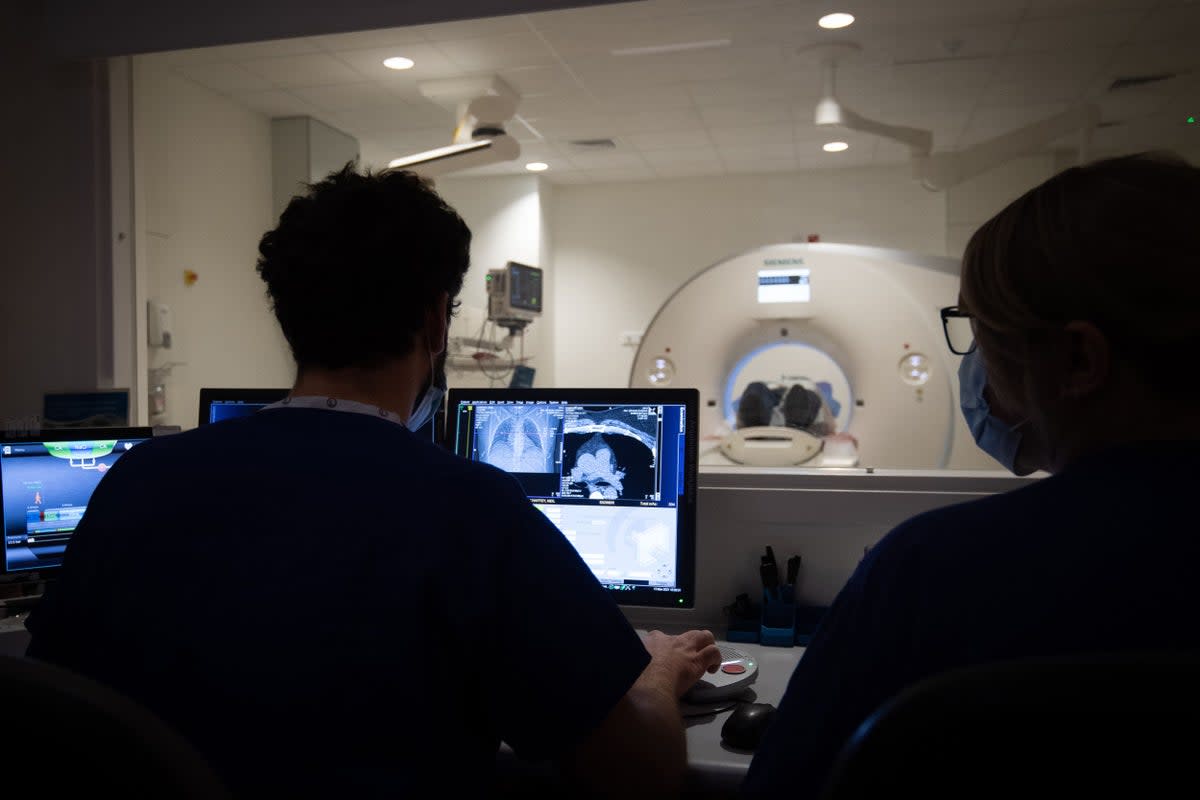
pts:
[334, 404]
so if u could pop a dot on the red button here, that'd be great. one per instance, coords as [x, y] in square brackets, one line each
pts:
[733, 669]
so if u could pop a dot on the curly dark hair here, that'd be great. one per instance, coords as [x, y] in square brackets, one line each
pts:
[356, 263]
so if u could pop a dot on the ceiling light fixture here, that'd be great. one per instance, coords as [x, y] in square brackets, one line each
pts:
[835, 147]
[672, 48]
[398, 62]
[838, 20]
[537, 166]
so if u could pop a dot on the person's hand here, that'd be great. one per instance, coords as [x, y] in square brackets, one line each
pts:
[677, 662]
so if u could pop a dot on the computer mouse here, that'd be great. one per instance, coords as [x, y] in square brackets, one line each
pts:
[746, 725]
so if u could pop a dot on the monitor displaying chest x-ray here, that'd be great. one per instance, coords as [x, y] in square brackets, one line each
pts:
[613, 469]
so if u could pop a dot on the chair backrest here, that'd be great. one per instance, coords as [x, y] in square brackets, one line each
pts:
[67, 733]
[1100, 724]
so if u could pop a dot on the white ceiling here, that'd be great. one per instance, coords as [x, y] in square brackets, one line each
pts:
[965, 69]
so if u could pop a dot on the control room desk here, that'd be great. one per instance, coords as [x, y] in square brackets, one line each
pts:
[714, 769]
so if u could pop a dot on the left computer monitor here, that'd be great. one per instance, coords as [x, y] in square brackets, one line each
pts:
[90, 408]
[217, 405]
[46, 482]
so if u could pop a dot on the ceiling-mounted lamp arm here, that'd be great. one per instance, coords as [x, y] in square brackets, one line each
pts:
[919, 141]
[455, 157]
[948, 169]
[831, 112]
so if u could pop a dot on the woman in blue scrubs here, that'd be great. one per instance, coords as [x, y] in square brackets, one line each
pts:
[1082, 300]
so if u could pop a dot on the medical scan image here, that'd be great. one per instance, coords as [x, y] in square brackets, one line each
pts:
[609, 453]
[523, 439]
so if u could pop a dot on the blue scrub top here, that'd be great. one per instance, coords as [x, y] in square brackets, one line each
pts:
[1104, 556]
[328, 605]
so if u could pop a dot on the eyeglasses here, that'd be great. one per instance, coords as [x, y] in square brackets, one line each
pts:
[960, 336]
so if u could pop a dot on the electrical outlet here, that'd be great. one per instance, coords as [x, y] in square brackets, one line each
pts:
[631, 338]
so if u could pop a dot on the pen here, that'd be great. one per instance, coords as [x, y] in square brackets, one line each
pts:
[793, 569]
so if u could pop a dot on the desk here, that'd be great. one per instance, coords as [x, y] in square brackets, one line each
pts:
[715, 770]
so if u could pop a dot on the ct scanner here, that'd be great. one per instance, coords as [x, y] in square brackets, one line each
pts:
[858, 324]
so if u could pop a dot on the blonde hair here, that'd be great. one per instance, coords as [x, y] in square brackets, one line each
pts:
[1115, 243]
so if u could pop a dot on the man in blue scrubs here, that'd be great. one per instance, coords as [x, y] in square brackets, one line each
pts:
[327, 604]
[1082, 297]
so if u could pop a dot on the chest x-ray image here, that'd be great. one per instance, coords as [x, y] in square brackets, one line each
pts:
[520, 438]
[609, 454]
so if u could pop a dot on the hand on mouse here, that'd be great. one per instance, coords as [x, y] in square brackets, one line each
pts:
[677, 662]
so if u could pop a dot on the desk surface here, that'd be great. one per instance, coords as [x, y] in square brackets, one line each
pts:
[715, 768]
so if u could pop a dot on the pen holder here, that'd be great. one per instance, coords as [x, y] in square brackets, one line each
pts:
[778, 626]
[807, 620]
[743, 629]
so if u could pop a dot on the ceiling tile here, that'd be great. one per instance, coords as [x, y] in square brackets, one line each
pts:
[472, 28]
[940, 42]
[656, 121]
[545, 79]
[399, 118]
[567, 177]
[775, 152]
[761, 91]
[348, 96]
[1062, 8]
[671, 141]
[491, 53]
[621, 174]
[1170, 22]
[671, 97]
[1155, 59]
[682, 155]
[742, 115]
[224, 77]
[689, 170]
[429, 62]
[1059, 34]
[614, 160]
[753, 135]
[276, 103]
[382, 37]
[307, 70]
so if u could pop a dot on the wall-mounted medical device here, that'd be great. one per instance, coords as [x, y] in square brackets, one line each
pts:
[159, 324]
[514, 295]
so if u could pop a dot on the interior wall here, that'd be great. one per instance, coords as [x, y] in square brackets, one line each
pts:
[621, 249]
[203, 180]
[55, 261]
[505, 218]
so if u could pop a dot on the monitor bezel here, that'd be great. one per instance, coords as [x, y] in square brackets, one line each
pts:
[690, 400]
[60, 435]
[255, 395]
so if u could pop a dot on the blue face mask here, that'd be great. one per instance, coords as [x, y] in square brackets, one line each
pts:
[996, 438]
[430, 400]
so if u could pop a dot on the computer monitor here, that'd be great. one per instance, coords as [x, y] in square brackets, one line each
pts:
[222, 404]
[46, 481]
[90, 408]
[614, 469]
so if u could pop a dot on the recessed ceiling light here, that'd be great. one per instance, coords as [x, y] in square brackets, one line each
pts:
[835, 147]
[537, 166]
[398, 62]
[838, 20]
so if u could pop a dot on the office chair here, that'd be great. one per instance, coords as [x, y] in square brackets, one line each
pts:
[64, 733]
[1099, 725]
